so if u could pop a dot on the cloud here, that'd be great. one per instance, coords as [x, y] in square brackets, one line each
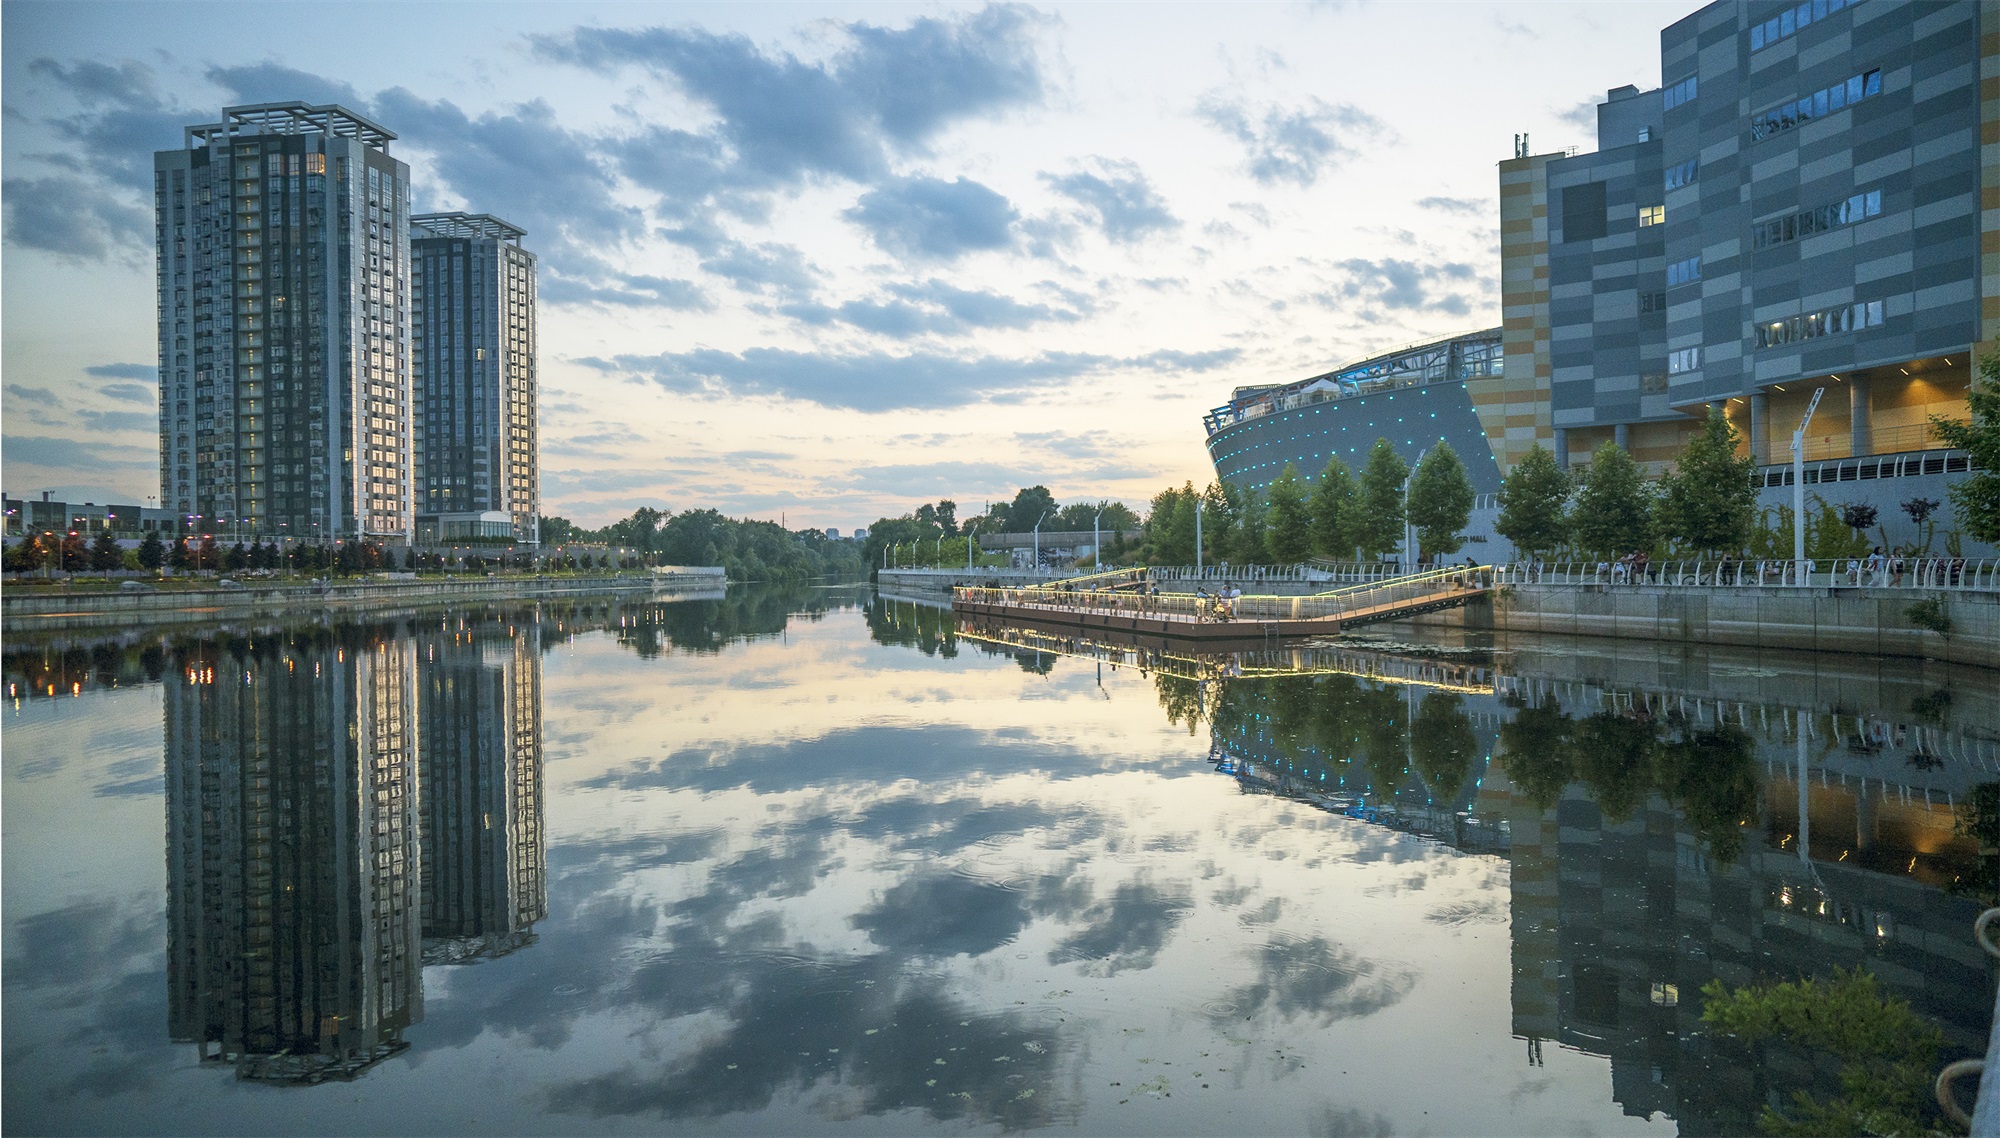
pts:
[1394, 283]
[128, 392]
[1466, 206]
[40, 395]
[630, 290]
[74, 218]
[59, 453]
[1583, 115]
[123, 371]
[1294, 145]
[120, 420]
[878, 381]
[931, 307]
[926, 218]
[781, 120]
[520, 164]
[1126, 206]
[123, 117]
[273, 82]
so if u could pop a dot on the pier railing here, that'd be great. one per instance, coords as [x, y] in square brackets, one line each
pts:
[1439, 584]
[1950, 573]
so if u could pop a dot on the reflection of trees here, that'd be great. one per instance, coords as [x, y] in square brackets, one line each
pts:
[1442, 744]
[1708, 773]
[707, 626]
[1385, 733]
[1186, 701]
[1534, 747]
[927, 628]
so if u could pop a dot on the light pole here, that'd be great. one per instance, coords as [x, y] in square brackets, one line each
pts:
[1096, 543]
[1799, 575]
[1038, 540]
[1409, 529]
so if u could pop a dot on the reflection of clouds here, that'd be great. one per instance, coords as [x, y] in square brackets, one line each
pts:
[1348, 1122]
[103, 959]
[1127, 931]
[1319, 980]
[943, 915]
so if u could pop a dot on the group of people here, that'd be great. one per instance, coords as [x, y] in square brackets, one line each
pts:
[1219, 605]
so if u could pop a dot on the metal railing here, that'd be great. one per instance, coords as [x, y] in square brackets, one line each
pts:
[1954, 573]
[1440, 584]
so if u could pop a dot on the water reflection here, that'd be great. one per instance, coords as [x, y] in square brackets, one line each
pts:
[730, 864]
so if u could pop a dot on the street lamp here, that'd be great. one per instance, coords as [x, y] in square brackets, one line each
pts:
[1038, 540]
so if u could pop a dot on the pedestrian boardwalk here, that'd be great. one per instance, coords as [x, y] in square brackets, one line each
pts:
[1122, 600]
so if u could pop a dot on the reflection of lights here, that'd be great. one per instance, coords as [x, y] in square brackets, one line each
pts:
[1910, 867]
[1785, 896]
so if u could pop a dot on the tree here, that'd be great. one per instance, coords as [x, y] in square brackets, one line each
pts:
[75, 554]
[1289, 537]
[27, 555]
[1380, 525]
[1887, 1053]
[1708, 504]
[1975, 499]
[181, 557]
[106, 554]
[1440, 502]
[152, 551]
[1172, 525]
[1614, 507]
[1030, 504]
[1335, 511]
[1532, 500]
[558, 531]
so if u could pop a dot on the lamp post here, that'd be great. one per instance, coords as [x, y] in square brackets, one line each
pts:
[1409, 529]
[1096, 543]
[1799, 575]
[1038, 540]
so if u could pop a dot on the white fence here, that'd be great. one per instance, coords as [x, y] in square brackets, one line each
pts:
[1954, 573]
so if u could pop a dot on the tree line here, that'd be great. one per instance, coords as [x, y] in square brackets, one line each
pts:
[746, 549]
[1342, 516]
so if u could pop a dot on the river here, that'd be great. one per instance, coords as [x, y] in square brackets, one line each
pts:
[814, 860]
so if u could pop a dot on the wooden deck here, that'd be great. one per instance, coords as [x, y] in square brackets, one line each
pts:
[1129, 614]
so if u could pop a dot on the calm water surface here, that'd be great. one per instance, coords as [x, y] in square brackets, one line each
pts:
[813, 861]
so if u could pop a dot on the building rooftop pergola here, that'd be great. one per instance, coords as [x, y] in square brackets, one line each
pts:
[293, 118]
[459, 224]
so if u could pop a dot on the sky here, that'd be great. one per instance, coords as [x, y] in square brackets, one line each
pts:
[820, 263]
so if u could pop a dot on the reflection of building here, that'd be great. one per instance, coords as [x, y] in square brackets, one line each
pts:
[1618, 925]
[480, 701]
[292, 856]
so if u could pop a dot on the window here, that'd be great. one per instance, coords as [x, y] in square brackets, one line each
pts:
[1683, 361]
[1683, 174]
[1583, 212]
[1825, 322]
[1652, 302]
[1684, 272]
[1792, 21]
[1819, 104]
[1679, 93]
[1791, 227]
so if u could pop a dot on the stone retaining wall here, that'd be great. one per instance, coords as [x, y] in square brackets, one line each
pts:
[42, 610]
[1866, 621]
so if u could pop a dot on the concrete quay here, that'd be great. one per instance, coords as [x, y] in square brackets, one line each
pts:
[1872, 621]
[45, 610]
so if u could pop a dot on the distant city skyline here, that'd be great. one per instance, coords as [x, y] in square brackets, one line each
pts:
[831, 262]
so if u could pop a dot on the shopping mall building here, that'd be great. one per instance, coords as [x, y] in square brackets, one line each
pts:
[1810, 201]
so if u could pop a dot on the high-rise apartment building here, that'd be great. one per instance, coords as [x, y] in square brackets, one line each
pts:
[479, 703]
[293, 861]
[473, 297]
[283, 235]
